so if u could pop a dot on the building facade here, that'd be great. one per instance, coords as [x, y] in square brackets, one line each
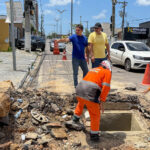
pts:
[145, 25]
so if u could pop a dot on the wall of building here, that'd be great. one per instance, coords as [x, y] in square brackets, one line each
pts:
[19, 30]
[145, 25]
[4, 35]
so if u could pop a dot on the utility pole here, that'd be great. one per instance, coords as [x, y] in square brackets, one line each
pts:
[42, 20]
[27, 25]
[113, 16]
[12, 35]
[124, 3]
[80, 19]
[87, 24]
[71, 16]
[61, 12]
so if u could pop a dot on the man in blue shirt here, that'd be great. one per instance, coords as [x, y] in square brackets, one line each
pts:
[80, 54]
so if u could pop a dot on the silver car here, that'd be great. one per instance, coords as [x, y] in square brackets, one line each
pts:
[62, 46]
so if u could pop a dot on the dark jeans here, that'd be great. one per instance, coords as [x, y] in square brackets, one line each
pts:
[98, 61]
[75, 65]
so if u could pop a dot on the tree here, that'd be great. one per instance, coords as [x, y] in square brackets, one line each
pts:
[87, 32]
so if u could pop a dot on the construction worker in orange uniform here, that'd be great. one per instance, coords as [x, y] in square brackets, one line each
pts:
[92, 92]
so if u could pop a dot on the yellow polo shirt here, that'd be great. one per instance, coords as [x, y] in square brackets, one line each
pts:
[98, 41]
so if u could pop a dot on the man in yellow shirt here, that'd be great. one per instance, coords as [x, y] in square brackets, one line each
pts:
[97, 43]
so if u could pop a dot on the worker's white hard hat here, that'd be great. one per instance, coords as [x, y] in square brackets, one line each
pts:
[106, 64]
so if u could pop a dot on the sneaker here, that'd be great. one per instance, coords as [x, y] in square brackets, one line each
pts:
[94, 137]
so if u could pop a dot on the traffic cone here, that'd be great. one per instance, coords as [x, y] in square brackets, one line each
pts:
[64, 55]
[56, 49]
[146, 79]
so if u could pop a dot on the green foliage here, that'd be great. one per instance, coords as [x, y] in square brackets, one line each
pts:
[87, 32]
[9, 49]
[51, 36]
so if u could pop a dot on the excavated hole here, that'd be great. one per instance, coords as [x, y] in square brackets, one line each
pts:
[119, 122]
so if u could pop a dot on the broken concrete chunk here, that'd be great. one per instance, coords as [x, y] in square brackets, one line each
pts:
[44, 139]
[6, 87]
[14, 146]
[5, 145]
[29, 142]
[54, 125]
[54, 107]
[15, 106]
[76, 143]
[59, 133]
[4, 104]
[31, 135]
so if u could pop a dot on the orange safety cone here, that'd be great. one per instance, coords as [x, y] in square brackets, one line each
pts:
[64, 55]
[146, 79]
[56, 49]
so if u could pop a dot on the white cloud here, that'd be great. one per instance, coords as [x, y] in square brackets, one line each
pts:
[58, 2]
[143, 2]
[61, 2]
[101, 15]
[48, 12]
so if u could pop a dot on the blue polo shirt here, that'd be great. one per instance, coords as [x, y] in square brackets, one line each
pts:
[79, 43]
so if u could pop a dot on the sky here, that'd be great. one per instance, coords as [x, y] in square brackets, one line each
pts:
[93, 11]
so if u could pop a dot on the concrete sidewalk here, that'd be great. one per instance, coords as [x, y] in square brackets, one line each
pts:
[23, 60]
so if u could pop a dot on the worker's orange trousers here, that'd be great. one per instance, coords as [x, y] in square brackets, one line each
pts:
[94, 111]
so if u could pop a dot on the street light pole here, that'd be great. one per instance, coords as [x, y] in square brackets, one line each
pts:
[61, 12]
[71, 15]
[12, 35]
[57, 20]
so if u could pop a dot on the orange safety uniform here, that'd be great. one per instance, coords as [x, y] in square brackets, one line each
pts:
[94, 88]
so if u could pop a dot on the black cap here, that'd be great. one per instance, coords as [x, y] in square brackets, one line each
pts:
[97, 25]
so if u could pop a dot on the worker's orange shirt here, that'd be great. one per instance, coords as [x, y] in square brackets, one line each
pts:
[101, 77]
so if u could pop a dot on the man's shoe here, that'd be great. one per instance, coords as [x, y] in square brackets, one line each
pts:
[94, 137]
[75, 119]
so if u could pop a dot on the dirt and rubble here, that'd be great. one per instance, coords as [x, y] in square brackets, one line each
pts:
[41, 123]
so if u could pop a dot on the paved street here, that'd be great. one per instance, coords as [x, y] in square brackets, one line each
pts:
[55, 73]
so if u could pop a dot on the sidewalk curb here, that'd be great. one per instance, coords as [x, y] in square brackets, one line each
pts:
[28, 72]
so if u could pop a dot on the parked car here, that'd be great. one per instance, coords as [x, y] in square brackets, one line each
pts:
[62, 46]
[36, 42]
[130, 54]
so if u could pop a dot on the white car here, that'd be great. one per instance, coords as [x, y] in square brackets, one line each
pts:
[130, 54]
